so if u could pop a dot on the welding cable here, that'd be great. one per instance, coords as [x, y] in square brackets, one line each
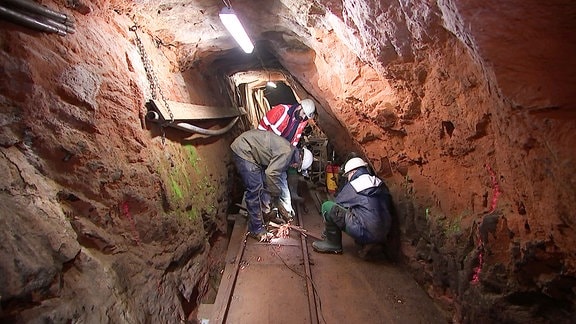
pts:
[304, 276]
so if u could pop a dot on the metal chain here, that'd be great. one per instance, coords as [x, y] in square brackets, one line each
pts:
[152, 79]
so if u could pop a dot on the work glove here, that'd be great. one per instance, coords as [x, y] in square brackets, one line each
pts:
[272, 216]
[287, 216]
[273, 212]
[282, 212]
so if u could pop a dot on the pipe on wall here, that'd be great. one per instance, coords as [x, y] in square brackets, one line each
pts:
[204, 131]
[40, 10]
[154, 116]
[36, 16]
[30, 22]
[67, 28]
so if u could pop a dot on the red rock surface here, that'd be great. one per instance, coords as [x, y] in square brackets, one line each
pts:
[466, 108]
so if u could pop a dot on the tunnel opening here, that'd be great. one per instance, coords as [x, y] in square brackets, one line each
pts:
[258, 97]
[280, 93]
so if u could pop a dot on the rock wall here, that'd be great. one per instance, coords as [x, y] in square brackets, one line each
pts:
[472, 134]
[465, 108]
[102, 218]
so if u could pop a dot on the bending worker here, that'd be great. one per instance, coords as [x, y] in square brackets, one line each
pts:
[289, 122]
[261, 159]
[361, 209]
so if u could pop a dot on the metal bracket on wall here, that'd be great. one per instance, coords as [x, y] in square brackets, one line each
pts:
[181, 113]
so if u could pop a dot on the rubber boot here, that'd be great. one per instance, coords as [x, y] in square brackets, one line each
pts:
[333, 241]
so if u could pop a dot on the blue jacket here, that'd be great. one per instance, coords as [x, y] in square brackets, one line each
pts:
[369, 203]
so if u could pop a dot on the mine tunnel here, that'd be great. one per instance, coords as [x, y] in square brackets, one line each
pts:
[121, 201]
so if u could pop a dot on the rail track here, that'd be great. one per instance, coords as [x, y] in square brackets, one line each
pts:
[283, 267]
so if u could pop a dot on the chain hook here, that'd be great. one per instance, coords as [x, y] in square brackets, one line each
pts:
[152, 78]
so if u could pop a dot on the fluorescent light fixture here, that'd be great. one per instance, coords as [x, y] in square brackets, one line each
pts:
[231, 22]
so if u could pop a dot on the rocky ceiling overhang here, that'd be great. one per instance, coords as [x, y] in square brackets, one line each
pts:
[194, 29]
[516, 40]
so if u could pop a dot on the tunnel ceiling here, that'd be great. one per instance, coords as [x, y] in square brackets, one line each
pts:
[194, 29]
[380, 33]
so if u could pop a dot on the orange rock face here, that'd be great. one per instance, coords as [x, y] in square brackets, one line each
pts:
[465, 108]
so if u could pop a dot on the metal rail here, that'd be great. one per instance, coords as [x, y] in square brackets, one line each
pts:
[226, 291]
[313, 309]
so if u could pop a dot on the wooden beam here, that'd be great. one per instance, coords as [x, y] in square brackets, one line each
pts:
[185, 111]
[217, 312]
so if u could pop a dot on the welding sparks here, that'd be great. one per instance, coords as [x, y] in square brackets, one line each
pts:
[283, 231]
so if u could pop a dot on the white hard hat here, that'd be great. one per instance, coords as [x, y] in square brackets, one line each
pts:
[308, 107]
[307, 159]
[353, 164]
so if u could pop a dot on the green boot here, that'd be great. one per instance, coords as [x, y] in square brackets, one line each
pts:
[333, 241]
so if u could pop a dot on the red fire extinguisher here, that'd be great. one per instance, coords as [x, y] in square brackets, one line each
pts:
[332, 172]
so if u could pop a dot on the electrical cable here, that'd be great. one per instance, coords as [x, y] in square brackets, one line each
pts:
[302, 276]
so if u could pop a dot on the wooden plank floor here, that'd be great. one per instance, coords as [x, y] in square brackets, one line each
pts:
[270, 287]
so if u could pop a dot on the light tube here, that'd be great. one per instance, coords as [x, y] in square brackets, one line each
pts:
[231, 22]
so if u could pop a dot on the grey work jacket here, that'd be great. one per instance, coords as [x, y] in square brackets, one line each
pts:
[272, 152]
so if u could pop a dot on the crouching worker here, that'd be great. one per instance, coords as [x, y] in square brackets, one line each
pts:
[361, 209]
[262, 159]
